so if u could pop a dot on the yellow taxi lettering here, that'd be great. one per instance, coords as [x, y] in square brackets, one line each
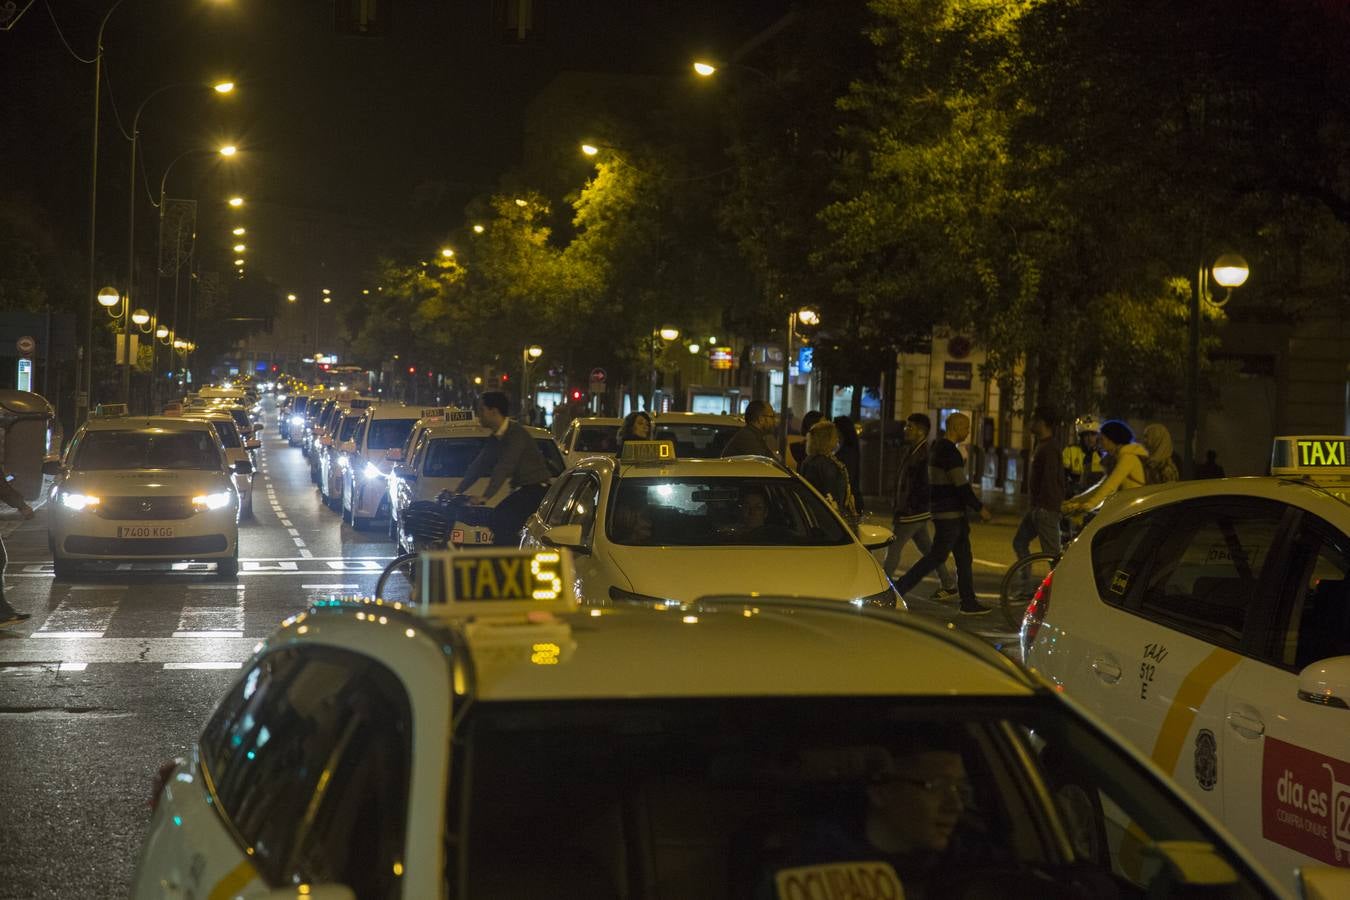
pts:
[486, 584]
[464, 581]
[1321, 453]
[513, 578]
[544, 569]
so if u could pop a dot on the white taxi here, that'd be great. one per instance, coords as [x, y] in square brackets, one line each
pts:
[504, 744]
[1210, 621]
[236, 450]
[675, 529]
[430, 416]
[145, 489]
[696, 435]
[334, 451]
[590, 436]
[371, 453]
[438, 462]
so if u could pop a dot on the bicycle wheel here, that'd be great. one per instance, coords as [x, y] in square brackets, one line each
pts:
[398, 581]
[1020, 584]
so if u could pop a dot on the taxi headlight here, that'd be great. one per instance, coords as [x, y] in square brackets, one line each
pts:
[342, 461]
[372, 471]
[888, 598]
[297, 420]
[78, 501]
[218, 500]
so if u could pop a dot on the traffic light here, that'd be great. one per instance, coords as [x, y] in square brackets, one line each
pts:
[576, 393]
[412, 370]
[505, 378]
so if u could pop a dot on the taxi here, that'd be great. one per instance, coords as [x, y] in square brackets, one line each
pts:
[334, 451]
[651, 526]
[300, 404]
[502, 742]
[590, 436]
[371, 453]
[429, 417]
[1210, 620]
[696, 435]
[236, 450]
[326, 426]
[152, 488]
[439, 460]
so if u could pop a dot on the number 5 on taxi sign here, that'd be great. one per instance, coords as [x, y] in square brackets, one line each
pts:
[493, 581]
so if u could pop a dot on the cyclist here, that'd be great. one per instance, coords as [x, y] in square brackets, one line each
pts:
[509, 454]
[1126, 465]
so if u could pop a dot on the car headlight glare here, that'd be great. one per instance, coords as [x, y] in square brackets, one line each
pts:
[75, 501]
[372, 471]
[297, 420]
[342, 461]
[218, 500]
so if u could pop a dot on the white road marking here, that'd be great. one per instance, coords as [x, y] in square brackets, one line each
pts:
[298, 542]
[293, 532]
[170, 666]
[77, 618]
[72, 667]
[306, 554]
[286, 522]
[317, 587]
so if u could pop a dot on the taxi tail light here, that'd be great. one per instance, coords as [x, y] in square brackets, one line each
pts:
[1036, 610]
[160, 780]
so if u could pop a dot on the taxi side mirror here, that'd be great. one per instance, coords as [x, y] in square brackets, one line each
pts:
[51, 467]
[243, 467]
[252, 444]
[875, 537]
[405, 473]
[1326, 682]
[568, 536]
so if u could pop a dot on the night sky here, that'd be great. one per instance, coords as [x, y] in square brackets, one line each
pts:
[350, 126]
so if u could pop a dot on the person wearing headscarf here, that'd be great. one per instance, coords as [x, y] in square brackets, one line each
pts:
[1159, 468]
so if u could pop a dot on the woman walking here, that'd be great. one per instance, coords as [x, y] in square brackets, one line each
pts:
[826, 472]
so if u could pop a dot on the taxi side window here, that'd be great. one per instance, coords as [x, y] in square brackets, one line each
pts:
[310, 757]
[1206, 572]
[561, 511]
[1314, 619]
[584, 502]
[360, 436]
[1119, 553]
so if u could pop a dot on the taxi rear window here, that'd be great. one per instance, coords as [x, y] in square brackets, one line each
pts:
[598, 439]
[693, 511]
[348, 427]
[696, 441]
[102, 450]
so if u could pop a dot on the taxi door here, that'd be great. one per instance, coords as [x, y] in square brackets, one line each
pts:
[574, 500]
[1287, 790]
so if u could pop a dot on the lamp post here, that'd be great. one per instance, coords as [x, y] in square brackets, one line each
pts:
[109, 298]
[1230, 271]
[809, 317]
[528, 355]
[667, 334]
[223, 87]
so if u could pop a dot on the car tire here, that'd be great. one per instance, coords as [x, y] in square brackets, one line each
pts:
[228, 568]
[63, 568]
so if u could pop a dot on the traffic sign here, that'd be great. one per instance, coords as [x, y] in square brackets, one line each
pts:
[598, 374]
[26, 345]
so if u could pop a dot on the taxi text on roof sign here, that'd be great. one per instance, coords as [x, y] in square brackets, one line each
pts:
[460, 415]
[497, 580]
[647, 451]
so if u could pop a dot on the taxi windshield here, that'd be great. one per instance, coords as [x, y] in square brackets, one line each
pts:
[598, 439]
[386, 433]
[695, 441]
[450, 457]
[149, 449]
[720, 798]
[692, 511]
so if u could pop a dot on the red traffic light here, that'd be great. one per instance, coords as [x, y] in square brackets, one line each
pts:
[275, 368]
[412, 370]
[505, 378]
[576, 394]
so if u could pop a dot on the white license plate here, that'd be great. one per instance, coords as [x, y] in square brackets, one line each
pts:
[145, 531]
[471, 535]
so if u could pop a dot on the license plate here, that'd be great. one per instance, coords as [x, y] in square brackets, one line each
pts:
[145, 531]
[471, 535]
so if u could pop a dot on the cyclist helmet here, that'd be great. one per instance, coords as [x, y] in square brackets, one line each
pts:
[1087, 425]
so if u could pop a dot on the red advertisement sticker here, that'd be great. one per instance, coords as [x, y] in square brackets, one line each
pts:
[1305, 802]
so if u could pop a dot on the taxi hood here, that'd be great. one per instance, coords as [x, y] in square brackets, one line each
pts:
[147, 482]
[844, 572]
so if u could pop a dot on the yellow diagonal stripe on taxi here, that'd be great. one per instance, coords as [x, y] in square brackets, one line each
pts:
[233, 881]
[1195, 687]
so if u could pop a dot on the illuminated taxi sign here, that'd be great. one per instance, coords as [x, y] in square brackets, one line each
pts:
[460, 417]
[1310, 455]
[648, 451]
[111, 410]
[497, 580]
[360, 403]
[432, 412]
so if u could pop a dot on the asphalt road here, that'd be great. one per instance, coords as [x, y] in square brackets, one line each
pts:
[118, 669]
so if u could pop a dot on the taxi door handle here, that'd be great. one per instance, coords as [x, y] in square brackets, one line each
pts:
[1106, 671]
[1246, 725]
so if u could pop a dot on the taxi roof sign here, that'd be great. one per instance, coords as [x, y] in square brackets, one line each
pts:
[461, 417]
[1311, 455]
[496, 581]
[111, 410]
[635, 452]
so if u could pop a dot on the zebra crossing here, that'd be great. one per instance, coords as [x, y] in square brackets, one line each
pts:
[191, 627]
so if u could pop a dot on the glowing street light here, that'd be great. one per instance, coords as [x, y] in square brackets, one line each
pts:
[291, 298]
[162, 332]
[239, 248]
[238, 262]
[327, 291]
[238, 231]
[522, 202]
[229, 150]
[669, 333]
[140, 316]
[704, 69]
[236, 202]
[327, 299]
[223, 87]
[109, 297]
[478, 229]
[447, 253]
[589, 149]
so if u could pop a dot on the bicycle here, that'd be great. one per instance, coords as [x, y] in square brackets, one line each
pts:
[430, 523]
[1024, 578]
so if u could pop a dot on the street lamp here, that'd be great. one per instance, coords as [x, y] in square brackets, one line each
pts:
[704, 69]
[477, 229]
[810, 318]
[1230, 271]
[447, 253]
[668, 334]
[528, 355]
[236, 202]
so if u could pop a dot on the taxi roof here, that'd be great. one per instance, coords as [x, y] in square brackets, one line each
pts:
[188, 422]
[473, 429]
[598, 420]
[386, 410]
[693, 418]
[691, 467]
[731, 647]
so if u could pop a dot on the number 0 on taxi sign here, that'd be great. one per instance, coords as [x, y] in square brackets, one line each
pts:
[497, 581]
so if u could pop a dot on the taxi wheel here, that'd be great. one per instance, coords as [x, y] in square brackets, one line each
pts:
[228, 568]
[62, 568]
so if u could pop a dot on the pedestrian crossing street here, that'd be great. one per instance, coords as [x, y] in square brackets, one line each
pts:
[198, 626]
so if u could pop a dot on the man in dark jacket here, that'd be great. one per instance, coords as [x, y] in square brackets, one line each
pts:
[509, 454]
[911, 517]
[757, 437]
[1045, 485]
[951, 495]
[8, 614]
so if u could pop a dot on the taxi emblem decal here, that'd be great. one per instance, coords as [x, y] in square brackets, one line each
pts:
[1206, 759]
[1120, 582]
